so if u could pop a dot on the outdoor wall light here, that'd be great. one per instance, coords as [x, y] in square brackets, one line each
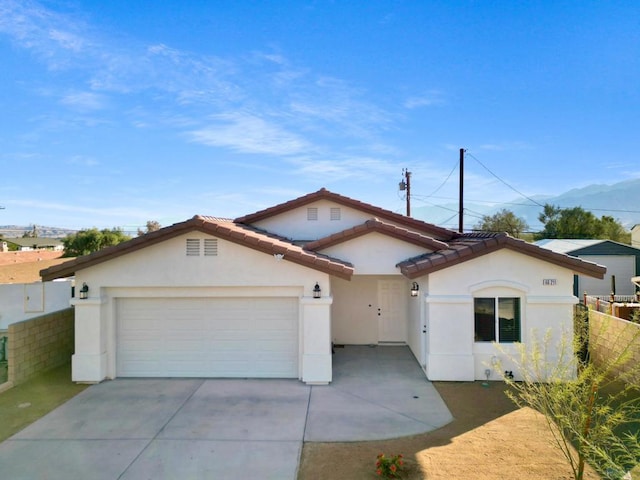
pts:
[317, 292]
[278, 256]
[84, 292]
[415, 288]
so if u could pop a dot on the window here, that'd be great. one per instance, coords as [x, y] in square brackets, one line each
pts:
[497, 319]
[193, 247]
[335, 214]
[312, 213]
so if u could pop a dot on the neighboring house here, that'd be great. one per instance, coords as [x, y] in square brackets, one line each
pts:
[622, 262]
[270, 293]
[28, 243]
[635, 236]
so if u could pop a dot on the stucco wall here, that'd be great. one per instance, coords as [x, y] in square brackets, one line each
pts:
[545, 290]
[166, 264]
[613, 338]
[354, 313]
[294, 224]
[40, 344]
[21, 301]
[374, 253]
[164, 270]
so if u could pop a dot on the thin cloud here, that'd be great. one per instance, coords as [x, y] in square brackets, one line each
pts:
[429, 99]
[83, 101]
[300, 111]
[342, 168]
[247, 133]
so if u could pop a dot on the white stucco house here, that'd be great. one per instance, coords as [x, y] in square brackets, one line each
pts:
[268, 294]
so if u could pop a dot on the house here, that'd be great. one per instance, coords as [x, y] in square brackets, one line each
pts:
[29, 243]
[622, 262]
[270, 293]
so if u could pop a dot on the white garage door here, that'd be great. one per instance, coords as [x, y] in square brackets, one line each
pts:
[207, 337]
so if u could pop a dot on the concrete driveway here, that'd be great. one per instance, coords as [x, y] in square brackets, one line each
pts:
[224, 429]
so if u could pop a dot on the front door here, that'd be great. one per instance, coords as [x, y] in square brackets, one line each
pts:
[392, 317]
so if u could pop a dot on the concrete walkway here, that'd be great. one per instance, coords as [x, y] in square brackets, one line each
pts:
[224, 429]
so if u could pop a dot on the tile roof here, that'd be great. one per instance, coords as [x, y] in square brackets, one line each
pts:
[472, 245]
[221, 228]
[375, 225]
[446, 247]
[324, 194]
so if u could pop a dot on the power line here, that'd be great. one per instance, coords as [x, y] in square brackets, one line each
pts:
[457, 164]
[505, 183]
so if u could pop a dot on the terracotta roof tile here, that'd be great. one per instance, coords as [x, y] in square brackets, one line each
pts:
[324, 194]
[468, 246]
[376, 225]
[225, 229]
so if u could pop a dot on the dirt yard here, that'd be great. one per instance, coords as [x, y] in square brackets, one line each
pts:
[490, 439]
[24, 267]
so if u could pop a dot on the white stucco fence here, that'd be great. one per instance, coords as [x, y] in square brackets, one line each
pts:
[22, 301]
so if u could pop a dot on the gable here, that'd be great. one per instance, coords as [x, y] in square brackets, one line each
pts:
[467, 247]
[521, 271]
[313, 221]
[174, 263]
[374, 253]
[222, 229]
[364, 210]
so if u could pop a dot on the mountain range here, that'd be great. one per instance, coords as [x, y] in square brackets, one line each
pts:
[619, 200]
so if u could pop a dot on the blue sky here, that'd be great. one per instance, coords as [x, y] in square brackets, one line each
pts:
[118, 112]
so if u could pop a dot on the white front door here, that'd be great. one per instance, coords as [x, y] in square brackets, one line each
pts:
[392, 316]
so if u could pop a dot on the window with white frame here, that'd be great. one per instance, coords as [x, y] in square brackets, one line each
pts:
[497, 319]
[335, 213]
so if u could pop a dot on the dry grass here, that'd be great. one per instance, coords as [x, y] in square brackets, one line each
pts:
[24, 267]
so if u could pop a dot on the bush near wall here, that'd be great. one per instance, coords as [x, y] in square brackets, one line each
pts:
[40, 344]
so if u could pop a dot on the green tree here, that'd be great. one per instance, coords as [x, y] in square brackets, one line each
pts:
[577, 222]
[592, 411]
[91, 240]
[502, 221]
[613, 230]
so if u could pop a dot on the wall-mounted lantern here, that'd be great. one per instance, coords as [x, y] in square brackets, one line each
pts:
[317, 292]
[84, 292]
[415, 288]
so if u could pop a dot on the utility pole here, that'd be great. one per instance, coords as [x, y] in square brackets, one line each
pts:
[405, 185]
[460, 217]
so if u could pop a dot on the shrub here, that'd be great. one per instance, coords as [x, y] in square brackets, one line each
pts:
[389, 467]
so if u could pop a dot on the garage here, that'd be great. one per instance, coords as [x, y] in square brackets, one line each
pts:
[207, 337]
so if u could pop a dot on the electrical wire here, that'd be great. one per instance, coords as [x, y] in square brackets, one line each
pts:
[457, 164]
[505, 183]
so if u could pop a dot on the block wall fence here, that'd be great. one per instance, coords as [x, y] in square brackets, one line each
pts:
[612, 337]
[39, 344]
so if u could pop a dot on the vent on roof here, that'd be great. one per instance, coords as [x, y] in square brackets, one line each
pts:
[193, 247]
[210, 247]
[335, 213]
[312, 213]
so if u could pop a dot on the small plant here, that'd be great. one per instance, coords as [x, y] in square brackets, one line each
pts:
[389, 467]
